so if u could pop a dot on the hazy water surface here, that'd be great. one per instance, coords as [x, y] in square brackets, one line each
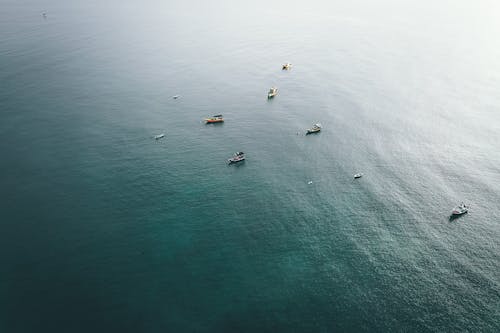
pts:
[104, 229]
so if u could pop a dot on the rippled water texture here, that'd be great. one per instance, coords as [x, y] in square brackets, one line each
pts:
[105, 229]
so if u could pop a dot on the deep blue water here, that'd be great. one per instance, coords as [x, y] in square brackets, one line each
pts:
[104, 229]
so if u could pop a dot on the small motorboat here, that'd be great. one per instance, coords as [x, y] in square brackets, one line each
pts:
[215, 119]
[176, 96]
[286, 66]
[159, 136]
[315, 129]
[460, 210]
[238, 157]
[272, 92]
[358, 175]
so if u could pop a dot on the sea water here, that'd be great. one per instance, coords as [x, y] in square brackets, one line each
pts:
[105, 229]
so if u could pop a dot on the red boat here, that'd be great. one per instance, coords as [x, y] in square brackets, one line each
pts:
[215, 119]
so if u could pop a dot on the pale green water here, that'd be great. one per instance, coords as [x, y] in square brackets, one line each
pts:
[105, 229]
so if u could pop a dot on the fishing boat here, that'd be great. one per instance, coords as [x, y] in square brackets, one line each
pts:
[272, 92]
[215, 119]
[315, 129]
[286, 66]
[358, 175]
[237, 157]
[159, 136]
[460, 210]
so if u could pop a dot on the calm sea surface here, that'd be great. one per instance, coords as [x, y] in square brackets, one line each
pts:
[104, 229]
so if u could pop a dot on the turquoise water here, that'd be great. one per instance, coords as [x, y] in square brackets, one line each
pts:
[105, 229]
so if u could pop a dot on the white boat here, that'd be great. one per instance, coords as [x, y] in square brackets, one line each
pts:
[272, 92]
[286, 66]
[238, 157]
[159, 136]
[315, 129]
[459, 210]
[358, 175]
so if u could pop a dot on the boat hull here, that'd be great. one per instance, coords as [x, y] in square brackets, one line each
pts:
[232, 161]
